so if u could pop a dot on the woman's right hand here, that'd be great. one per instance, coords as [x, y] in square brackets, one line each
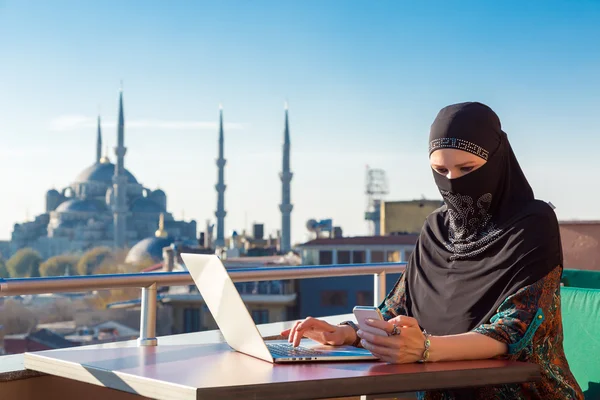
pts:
[320, 331]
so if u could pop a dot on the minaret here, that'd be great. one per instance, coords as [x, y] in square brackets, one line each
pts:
[99, 143]
[220, 186]
[286, 177]
[120, 183]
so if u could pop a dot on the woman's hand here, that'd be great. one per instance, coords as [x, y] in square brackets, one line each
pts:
[405, 347]
[320, 331]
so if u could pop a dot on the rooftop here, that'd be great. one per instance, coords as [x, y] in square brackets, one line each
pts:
[406, 239]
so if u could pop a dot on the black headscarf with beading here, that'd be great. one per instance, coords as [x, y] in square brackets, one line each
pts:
[491, 237]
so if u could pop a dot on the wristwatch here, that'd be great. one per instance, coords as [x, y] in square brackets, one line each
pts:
[353, 326]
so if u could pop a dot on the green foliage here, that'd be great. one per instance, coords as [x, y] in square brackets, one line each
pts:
[3, 270]
[91, 261]
[59, 265]
[25, 263]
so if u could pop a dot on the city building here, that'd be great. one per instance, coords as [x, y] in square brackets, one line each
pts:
[331, 296]
[38, 340]
[105, 205]
[267, 301]
[4, 249]
[357, 249]
[59, 335]
[406, 216]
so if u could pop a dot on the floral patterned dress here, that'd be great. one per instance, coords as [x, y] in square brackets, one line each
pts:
[530, 323]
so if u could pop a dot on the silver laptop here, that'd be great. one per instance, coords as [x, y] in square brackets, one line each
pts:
[238, 328]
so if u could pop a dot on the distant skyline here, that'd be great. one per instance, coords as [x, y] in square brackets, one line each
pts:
[364, 80]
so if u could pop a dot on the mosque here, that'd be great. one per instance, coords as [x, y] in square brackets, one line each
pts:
[106, 206]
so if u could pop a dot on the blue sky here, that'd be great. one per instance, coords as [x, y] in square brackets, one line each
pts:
[364, 81]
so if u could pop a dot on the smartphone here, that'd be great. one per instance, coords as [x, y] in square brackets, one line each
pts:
[363, 313]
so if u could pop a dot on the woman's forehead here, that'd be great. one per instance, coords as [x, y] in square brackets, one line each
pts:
[453, 157]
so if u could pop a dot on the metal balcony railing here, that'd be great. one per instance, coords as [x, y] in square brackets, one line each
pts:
[148, 282]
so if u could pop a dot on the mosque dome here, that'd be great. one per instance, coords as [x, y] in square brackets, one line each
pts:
[67, 224]
[102, 172]
[81, 206]
[145, 205]
[149, 248]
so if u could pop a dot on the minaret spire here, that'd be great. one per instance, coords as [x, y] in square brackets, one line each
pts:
[220, 186]
[286, 177]
[120, 182]
[99, 142]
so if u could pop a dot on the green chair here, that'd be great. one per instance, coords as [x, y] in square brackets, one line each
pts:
[581, 278]
[581, 325]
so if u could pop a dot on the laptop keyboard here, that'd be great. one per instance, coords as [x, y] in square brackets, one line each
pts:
[287, 350]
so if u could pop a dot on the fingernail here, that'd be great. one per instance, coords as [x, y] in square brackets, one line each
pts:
[369, 320]
[359, 332]
[363, 343]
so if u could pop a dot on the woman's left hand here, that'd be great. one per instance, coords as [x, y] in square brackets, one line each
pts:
[405, 347]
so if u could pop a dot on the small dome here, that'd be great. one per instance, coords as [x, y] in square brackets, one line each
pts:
[53, 192]
[148, 249]
[145, 205]
[81, 206]
[102, 172]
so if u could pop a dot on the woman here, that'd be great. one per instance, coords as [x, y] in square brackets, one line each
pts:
[484, 279]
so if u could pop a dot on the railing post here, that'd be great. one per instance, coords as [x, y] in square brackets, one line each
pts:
[379, 288]
[148, 317]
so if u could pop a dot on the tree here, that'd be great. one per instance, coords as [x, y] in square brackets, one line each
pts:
[25, 263]
[16, 318]
[92, 260]
[59, 266]
[115, 265]
[3, 270]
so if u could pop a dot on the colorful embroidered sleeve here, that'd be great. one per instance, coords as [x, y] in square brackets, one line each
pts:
[395, 302]
[530, 323]
[519, 316]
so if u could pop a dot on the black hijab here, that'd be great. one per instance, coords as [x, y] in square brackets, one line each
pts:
[489, 239]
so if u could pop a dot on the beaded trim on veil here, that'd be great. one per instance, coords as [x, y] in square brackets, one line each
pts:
[459, 144]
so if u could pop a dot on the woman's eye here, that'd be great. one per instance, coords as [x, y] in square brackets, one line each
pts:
[442, 171]
[467, 169]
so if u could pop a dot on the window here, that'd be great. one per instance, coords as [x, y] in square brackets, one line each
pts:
[191, 320]
[364, 298]
[343, 257]
[309, 257]
[260, 316]
[393, 256]
[377, 256]
[275, 287]
[325, 257]
[240, 286]
[334, 298]
[358, 257]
